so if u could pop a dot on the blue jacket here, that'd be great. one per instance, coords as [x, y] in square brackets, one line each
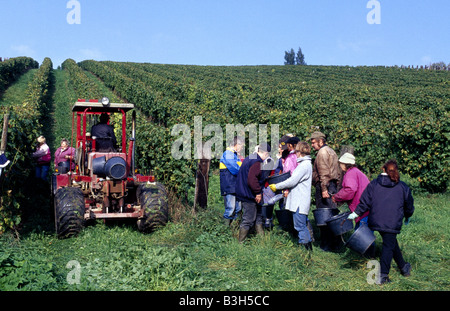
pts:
[388, 203]
[229, 167]
[247, 183]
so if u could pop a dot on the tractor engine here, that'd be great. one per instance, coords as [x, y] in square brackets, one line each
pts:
[109, 173]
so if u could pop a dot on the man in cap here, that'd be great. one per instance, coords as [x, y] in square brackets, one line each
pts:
[326, 177]
[249, 185]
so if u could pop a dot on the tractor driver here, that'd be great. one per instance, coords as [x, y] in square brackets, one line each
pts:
[104, 133]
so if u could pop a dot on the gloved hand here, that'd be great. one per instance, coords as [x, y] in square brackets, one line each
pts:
[407, 221]
[273, 188]
[352, 216]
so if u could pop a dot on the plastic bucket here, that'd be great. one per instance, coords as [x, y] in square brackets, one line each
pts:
[275, 179]
[339, 224]
[321, 215]
[361, 239]
[116, 168]
[285, 219]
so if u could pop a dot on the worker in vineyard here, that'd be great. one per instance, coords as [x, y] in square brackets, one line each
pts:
[389, 201]
[249, 185]
[105, 139]
[299, 197]
[354, 183]
[326, 177]
[229, 166]
[43, 157]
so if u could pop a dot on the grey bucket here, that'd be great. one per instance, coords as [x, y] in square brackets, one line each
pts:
[339, 224]
[321, 215]
[361, 239]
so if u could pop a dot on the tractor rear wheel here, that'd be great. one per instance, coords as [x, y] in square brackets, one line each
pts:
[69, 211]
[153, 200]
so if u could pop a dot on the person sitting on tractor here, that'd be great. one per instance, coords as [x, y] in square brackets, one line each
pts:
[104, 133]
[65, 157]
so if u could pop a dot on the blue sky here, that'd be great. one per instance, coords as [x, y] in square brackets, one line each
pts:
[228, 32]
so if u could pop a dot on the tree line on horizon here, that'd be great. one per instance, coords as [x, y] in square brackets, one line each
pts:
[291, 58]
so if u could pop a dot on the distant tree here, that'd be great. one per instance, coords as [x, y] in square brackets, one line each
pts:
[438, 66]
[300, 58]
[289, 57]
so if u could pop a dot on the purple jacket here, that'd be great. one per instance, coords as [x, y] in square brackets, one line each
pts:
[353, 185]
[60, 156]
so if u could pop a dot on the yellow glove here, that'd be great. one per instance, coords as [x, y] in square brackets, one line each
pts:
[273, 188]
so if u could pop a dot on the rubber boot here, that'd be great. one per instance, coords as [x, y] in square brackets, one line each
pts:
[227, 222]
[384, 278]
[259, 229]
[311, 231]
[307, 246]
[242, 234]
[406, 270]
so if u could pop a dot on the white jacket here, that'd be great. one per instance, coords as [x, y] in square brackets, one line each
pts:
[299, 185]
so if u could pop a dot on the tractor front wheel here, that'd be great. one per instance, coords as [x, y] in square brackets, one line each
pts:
[69, 211]
[153, 200]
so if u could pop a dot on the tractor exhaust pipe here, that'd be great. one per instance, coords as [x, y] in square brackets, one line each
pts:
[133, 142]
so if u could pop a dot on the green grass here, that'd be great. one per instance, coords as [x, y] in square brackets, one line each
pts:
[196, 252]
[15, 93]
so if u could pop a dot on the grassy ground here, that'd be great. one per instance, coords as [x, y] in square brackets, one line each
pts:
[196, 252]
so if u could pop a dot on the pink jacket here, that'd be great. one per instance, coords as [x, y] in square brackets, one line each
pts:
[290, 163]
[60, 156]
[353, 185]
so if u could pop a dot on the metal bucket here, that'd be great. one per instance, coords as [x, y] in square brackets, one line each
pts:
[361, 239]
[321, 215]
[340, 224]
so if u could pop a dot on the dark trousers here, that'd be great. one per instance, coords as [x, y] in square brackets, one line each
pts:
[390, 250]
[328, 241]
[251, 215]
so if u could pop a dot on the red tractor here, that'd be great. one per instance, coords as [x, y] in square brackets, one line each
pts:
[104, 184]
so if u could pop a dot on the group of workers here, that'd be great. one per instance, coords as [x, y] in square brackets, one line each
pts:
[382, 203]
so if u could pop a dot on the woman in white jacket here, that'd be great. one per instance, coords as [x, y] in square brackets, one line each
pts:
[299, 198]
